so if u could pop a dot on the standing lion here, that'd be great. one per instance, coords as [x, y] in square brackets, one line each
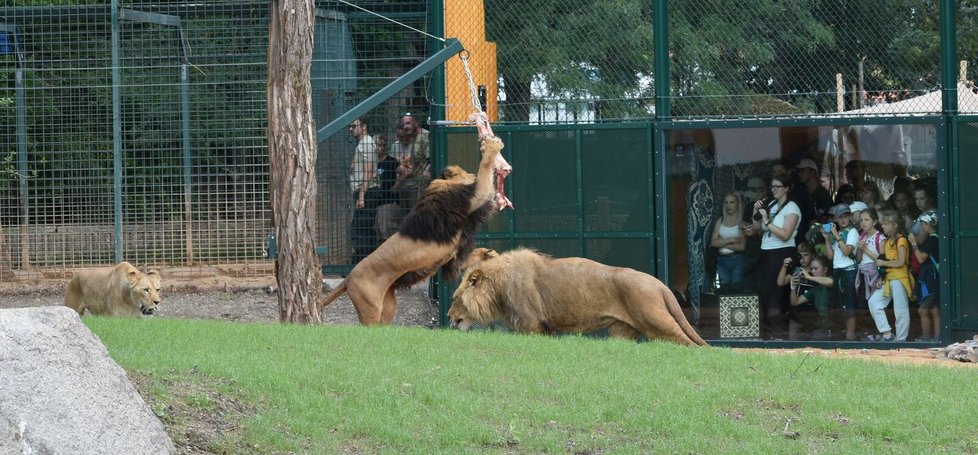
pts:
[114, 291]
[438, 232]
[534, 293]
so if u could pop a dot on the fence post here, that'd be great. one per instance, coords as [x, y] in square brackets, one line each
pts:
[116, 132]
[660, 30]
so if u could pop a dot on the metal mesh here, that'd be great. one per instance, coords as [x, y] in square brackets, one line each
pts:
[145, 144]
[579, 61]
[364, 46]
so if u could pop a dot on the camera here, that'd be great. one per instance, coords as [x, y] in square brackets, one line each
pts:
[814, 234]
[827, 227]
[764, 202]
[803, 284]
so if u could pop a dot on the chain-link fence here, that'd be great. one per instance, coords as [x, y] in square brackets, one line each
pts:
[592, 60]
[143, 137]
[139, 136]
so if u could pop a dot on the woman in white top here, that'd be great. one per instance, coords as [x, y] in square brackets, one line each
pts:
[728, 237]
[777, 221]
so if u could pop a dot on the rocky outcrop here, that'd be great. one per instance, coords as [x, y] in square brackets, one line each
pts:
[60, 392]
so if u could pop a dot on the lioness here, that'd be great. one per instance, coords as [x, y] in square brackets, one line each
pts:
[439, 231]
[534, 293]
[117, 291]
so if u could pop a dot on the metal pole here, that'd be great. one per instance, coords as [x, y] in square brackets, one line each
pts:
[116, 131]
[21, 108]
[949, 107]
[187, 180]
[660, 31]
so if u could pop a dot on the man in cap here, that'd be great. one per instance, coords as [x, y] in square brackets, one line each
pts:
[809, 177]
[756, 191]
[926, 248]
[412, 150]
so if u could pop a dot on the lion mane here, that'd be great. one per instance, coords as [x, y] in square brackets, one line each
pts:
[438, 233]
[114, 291]
[534, 293]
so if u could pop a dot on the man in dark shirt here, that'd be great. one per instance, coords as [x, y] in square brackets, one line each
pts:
[810, 178]
[388, 210]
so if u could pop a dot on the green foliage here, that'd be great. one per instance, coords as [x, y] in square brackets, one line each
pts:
[727, 57]
[330, 389]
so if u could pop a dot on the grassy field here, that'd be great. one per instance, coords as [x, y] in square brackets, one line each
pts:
[269, 388]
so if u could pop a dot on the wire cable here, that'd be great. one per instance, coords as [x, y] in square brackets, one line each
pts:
[392, 20]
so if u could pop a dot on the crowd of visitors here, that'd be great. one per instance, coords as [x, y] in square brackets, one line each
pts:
[848, 267]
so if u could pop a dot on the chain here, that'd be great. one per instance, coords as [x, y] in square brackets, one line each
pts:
[473, 93]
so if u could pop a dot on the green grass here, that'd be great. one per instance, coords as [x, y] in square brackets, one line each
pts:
[332, 389]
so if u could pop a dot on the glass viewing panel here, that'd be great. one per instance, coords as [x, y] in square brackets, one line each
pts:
[735, 196]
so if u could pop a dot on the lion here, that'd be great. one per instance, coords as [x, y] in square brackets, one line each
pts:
[117, 291]
[438, 233]
[534, 293]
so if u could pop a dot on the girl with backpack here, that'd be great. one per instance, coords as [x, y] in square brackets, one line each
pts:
[898, 283]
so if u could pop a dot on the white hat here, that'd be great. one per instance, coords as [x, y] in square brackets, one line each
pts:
[858, 206]
[929, 217]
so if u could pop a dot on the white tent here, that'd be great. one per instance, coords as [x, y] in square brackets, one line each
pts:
[928, 103]
[879, 142]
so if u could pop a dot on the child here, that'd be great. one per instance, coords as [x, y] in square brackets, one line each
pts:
[869, 248]
[812, 305]
[928, 253]
[840, 246]
[804, 258]
[897, 283]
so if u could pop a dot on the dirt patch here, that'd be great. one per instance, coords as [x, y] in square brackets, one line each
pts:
[197, 294]
[900, 355]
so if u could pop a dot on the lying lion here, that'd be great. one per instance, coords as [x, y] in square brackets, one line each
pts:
[439, 231]
[534, 293]
[117, 291]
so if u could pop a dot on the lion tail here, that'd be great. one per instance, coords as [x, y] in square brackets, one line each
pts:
[677, 313]
[339, 290]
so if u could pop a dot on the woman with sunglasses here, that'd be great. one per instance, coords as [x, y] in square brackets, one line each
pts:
[777, 220]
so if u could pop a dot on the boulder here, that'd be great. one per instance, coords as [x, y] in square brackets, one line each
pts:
[60, 392]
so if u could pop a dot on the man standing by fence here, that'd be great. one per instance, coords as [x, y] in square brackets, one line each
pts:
[412, 150]
[361, 172]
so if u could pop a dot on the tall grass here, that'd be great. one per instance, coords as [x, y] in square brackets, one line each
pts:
[331, 389]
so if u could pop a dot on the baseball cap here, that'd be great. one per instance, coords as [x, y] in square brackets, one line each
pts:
[840, 209]
[807, 163]
[754, 185]
[858, 206]
[929, 217]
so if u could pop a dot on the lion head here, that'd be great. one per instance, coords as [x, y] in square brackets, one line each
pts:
[144, 290]
[475, 300]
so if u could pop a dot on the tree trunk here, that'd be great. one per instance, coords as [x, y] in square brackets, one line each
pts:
[292, 160]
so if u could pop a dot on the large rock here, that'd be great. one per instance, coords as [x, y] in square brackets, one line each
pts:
[60, 392]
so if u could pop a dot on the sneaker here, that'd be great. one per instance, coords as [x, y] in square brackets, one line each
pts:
[873, 337]
[887, 338]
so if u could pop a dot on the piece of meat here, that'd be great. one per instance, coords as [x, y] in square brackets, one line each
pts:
[502, 168]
